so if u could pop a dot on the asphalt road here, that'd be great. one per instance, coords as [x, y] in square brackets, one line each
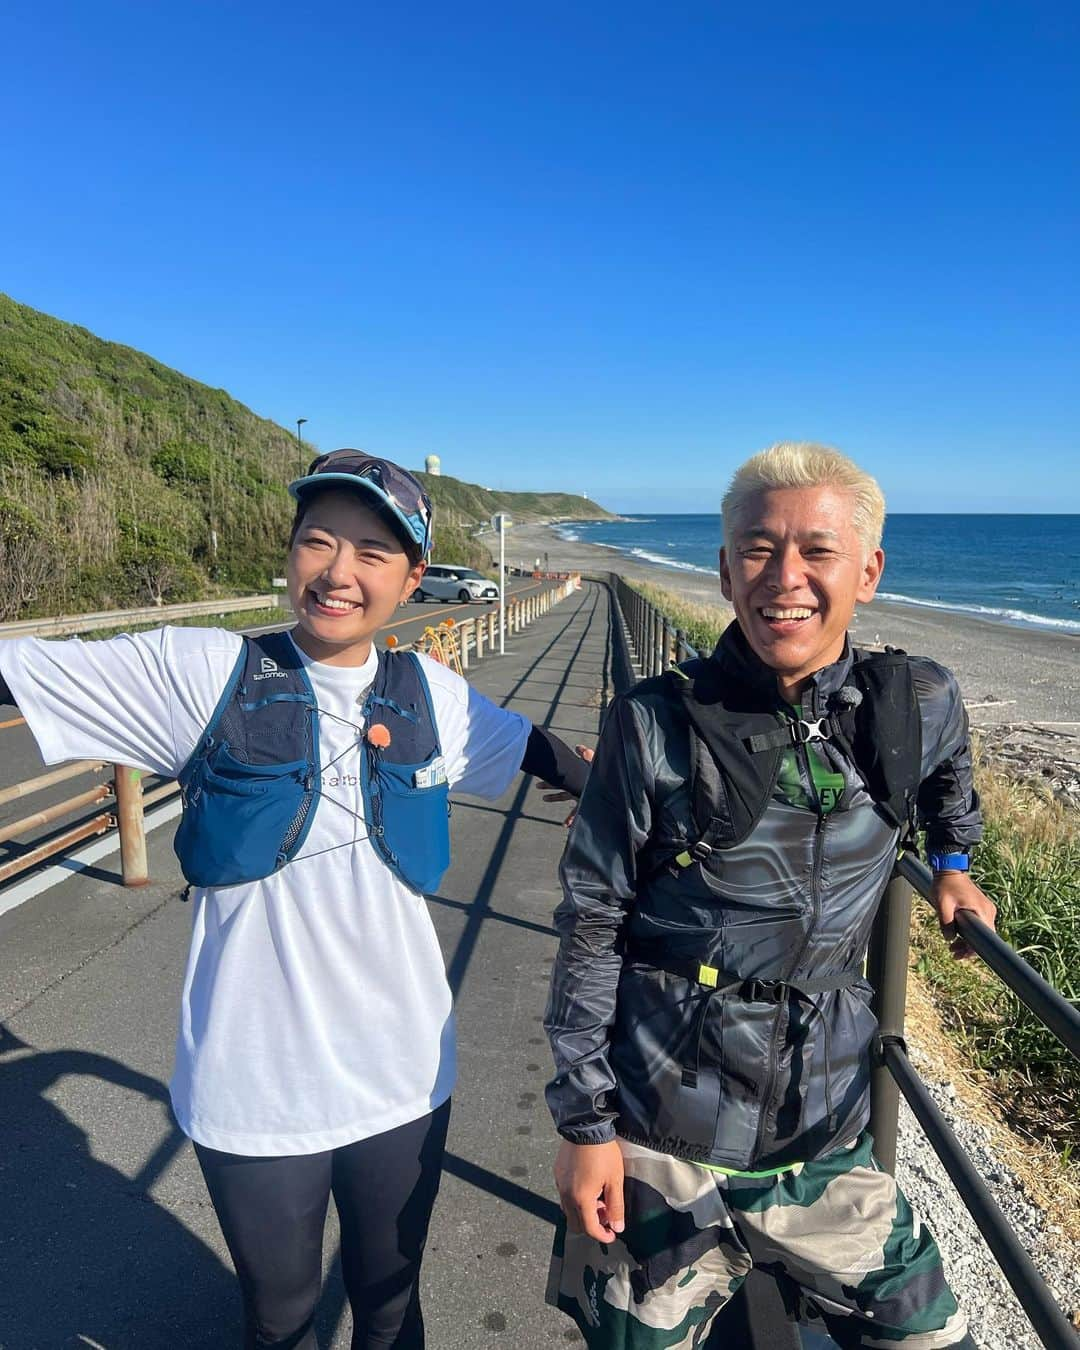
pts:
[20, 761]
[107, 1238]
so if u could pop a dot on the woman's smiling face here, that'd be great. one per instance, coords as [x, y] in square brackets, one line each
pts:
[794, 572]
[347, 573]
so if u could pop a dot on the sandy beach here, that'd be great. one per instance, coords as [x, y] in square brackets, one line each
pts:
[1009, 675]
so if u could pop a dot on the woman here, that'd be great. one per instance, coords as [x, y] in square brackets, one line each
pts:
[315, 1052]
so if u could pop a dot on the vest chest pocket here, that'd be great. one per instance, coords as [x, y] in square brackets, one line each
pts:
[222, 772]
[235, 816]
[410, 822]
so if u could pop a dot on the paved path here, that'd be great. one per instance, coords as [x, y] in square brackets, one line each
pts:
[106, 1235]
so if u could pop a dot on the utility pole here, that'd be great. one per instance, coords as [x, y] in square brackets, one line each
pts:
[299, 443]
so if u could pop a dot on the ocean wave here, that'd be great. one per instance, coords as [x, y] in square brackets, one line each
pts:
[1017, 616]
[566, 532]
[664, 561]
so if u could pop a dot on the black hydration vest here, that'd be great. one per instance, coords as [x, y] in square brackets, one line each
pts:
[737, 744]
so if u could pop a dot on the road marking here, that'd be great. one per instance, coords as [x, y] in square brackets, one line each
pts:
[15, 722]
[22, 891]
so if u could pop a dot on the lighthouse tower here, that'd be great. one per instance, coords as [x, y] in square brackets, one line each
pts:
[433, 465]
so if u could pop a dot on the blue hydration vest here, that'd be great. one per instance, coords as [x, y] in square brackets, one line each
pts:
[250, 786]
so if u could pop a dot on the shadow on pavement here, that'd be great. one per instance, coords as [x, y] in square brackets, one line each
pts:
[88, 1257]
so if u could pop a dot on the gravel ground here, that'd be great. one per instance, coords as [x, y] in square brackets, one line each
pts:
[997, 1320]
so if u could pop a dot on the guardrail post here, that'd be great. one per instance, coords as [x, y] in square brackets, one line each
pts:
[129, 818]
[491, 628]
[887, 969]
[465, 630]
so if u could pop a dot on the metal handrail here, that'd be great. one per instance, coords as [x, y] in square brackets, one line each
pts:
[1050, 1324]
[1051, 1008]
[116, 618]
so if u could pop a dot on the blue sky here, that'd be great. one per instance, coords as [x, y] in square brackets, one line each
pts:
[610, 248]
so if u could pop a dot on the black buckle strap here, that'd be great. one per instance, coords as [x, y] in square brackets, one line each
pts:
[795, 731]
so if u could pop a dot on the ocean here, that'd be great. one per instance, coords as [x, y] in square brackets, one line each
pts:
[1013, 569]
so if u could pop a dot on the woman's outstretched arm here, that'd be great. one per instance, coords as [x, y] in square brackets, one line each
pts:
[552, 760]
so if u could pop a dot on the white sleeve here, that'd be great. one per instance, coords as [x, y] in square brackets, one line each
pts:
[483, 744]
[141, 699]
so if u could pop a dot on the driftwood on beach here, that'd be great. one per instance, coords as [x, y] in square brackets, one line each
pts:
[1047, 753]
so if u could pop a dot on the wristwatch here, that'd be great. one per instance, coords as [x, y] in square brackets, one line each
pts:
[950, 862]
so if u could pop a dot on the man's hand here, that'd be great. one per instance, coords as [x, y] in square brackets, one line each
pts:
[589, 1178]
[956, 890]
[556, 795]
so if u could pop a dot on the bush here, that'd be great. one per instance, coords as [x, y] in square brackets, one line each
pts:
[157, 574]
[24, 558]
[182, 462]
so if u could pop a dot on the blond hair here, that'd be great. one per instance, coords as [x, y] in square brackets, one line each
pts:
[799, 464]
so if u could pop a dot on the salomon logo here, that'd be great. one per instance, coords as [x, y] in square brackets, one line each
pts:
[269, 670]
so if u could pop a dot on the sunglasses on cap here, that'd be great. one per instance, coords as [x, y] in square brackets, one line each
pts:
[392, 486]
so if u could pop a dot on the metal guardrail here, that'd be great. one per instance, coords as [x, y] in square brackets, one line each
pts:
[470, 640]
[125, 787]
[66, 624]
[657, 643]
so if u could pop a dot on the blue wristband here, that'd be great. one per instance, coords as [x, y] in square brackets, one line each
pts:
[949, 862]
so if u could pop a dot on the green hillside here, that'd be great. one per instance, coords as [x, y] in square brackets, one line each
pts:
[467, 504]
[124, 482]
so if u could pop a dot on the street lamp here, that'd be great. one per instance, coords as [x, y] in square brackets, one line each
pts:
[299, 443]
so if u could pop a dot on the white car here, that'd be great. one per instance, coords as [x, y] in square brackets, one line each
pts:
[455, 583]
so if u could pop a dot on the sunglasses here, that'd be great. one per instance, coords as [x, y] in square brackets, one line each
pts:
[400, 490]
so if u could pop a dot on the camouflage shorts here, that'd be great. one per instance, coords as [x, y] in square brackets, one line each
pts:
[852, 1250]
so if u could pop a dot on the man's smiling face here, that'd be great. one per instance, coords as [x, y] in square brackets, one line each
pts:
[794, 572]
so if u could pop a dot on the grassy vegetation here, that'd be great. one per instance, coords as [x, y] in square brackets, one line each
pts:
[1028, 863]
[466, 504]
[240, 618]
[454, 544]
[123, 482]
[702, 624]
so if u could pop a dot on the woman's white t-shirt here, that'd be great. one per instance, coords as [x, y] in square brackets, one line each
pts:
[315, 1007]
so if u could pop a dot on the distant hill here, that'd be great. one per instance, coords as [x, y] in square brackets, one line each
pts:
[467, 504]
[123, 481]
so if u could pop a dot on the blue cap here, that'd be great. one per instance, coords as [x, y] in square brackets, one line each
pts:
[393, 488]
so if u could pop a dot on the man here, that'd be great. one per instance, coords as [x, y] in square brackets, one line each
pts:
[710, 1025]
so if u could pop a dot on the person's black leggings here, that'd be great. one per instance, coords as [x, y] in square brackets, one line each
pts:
[273, 1210]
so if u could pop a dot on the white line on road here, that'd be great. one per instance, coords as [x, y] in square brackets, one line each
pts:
[76, 862]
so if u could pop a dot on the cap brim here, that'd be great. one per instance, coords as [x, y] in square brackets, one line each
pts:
[313, 482]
